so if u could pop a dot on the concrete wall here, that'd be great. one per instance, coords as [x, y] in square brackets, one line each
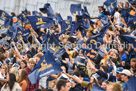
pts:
[61, 6]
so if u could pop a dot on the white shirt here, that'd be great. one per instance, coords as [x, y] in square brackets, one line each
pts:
[117, 16]
[1, 77]
[42, 82]
[16, 87]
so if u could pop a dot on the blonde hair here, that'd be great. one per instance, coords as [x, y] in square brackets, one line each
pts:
[40, 54]
[66, 36]
[6, 67]
[115, 86]
[113, 50]
[15, 71]
[32, 60]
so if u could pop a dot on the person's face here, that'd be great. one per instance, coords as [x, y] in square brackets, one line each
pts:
[114, 55]
[3, 69]
[6, 53]
[65, 40]
[23, 65]
[60, 37]
[123, 77]
[37, 59]
[100, 9]
[88, 34]
[42, 30]
[84, 45]
[31, 65]
[67, 87]
[53, 85]
[132, 64]
[104, 85]
[118, 76]
[111, 53]
[117, 32]
[126, 5]
[120, 48]
[63, 69]
[80, 53]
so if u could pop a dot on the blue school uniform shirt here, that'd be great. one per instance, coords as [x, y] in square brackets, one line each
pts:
[123, 57]
[124, 86]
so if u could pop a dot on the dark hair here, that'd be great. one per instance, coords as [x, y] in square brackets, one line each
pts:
[77, 73]
[105, 12]
[29, 12]
[114, 60]
[2, 57]
[3, 35]
[71, 39]
[2, 50]
[24, 62]
[110, 28]
[116, 9]
[13, 14]
[60, 83]
[29, 56]
[23, 75]
[12, 80]
[33, 50]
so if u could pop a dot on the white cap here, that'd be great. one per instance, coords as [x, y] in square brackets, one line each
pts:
[126, 72]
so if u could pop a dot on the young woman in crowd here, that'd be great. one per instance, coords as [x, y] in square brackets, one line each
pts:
[15, 71]
[3, 74]
[29, 68]
[23, 64]
[22, 79]
[11, 84]
[122, 55]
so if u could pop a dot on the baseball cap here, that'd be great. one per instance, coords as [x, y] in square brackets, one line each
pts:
[119, 69]
[126, 72]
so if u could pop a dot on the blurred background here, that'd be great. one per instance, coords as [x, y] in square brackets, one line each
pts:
[60, 6]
